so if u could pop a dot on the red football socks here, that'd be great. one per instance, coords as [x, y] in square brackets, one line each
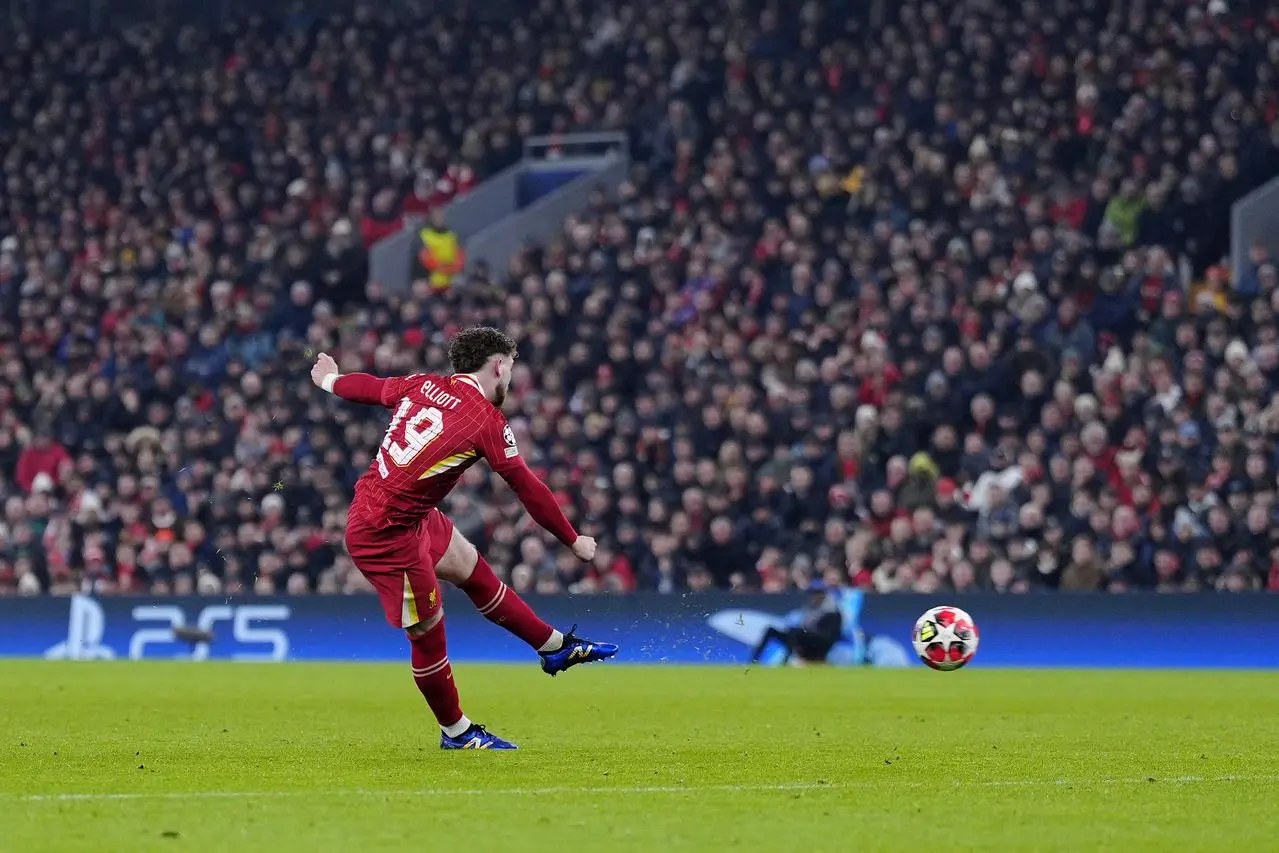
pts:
[501, 605]
[434, 675]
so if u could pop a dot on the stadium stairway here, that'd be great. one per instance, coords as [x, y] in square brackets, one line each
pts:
[524, 203]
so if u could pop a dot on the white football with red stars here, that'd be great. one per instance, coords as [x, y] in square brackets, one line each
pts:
[945, 638]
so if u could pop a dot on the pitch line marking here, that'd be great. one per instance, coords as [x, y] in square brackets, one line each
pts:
[624, 789]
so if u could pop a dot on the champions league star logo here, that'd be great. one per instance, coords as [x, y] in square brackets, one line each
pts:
[86, 625]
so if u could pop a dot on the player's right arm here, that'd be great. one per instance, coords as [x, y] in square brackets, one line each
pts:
[497, 442]
[357, 387]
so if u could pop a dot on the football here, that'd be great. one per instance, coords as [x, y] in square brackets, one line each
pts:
[945, 638]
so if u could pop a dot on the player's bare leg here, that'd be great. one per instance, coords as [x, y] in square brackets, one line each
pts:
[463, 566]
[434, 678]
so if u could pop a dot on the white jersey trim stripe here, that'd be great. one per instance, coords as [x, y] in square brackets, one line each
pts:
[469, 380]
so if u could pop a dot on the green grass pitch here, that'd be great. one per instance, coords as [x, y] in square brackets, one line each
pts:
[310, 757]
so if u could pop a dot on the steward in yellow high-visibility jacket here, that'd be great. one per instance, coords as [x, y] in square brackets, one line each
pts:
[442, 255]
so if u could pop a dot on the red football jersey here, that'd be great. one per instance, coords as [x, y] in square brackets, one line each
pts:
[441, 425]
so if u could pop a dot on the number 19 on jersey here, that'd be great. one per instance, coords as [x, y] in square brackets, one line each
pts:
[419, 430]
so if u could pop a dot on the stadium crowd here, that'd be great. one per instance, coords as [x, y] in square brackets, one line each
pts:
[933, 304]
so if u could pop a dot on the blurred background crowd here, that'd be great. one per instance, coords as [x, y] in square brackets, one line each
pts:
[917, 296]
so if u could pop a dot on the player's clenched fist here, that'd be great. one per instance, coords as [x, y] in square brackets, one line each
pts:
[324, 366]
[584, 548]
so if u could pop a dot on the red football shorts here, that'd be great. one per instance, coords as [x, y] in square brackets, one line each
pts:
[400, 564]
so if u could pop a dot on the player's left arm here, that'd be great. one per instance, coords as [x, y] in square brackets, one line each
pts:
[356, 387]
[497, 442]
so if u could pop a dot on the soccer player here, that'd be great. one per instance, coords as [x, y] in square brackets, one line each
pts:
[400, 540]
[813, 636]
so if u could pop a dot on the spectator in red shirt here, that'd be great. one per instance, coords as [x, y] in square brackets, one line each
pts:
[42, 456]
[383, 220]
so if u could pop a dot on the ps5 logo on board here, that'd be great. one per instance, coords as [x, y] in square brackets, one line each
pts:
[86, 629]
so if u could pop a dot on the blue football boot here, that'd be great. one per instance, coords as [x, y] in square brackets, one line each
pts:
[574, 651]
[476, 737]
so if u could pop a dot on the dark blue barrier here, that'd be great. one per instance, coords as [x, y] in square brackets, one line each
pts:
[542, 182]
[1205, 631]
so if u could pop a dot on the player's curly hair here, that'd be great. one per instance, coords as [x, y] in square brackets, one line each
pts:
[471, 348]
